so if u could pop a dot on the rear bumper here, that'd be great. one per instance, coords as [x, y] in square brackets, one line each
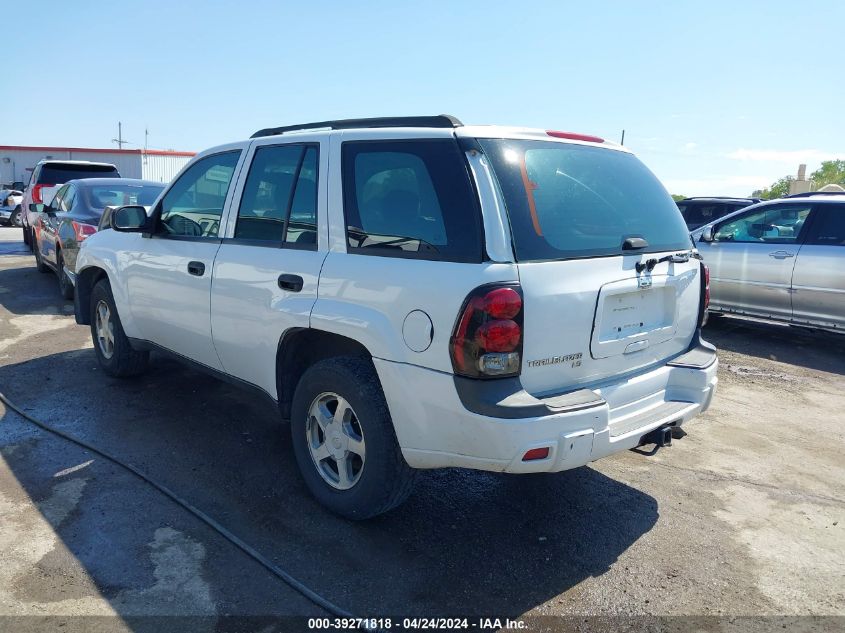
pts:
[5, 214]
[435, 429]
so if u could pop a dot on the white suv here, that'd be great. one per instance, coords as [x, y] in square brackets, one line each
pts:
[415, 293]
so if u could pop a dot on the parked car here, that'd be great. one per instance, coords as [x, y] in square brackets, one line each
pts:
[700, 211]
[10, 207]
[781, 260]
[74, 215]
[47, 177]
[424, 295]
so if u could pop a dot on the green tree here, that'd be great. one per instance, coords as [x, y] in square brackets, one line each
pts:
[677, 197]
[831, 172]
[778, 190]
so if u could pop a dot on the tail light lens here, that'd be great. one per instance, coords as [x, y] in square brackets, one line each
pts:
[487, 340]
[81, 231]
[36, 193]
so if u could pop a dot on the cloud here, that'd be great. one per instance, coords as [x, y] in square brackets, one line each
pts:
[783, 156]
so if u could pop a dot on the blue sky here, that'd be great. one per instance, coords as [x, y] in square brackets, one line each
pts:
[716, 97]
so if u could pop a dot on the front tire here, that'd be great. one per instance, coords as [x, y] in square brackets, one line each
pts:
[15, 219]
[40, 266]
[344, 441]
[111, 345]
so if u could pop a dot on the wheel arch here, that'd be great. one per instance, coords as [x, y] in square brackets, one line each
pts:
[86, 279]
[299, 348]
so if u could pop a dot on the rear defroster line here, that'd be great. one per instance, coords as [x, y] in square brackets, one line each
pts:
[312, 595]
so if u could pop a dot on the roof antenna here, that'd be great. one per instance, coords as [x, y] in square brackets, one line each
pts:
[622, 142]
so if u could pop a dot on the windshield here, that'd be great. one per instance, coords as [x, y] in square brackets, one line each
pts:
[697, 214]
[570, 201]
[57, 174]
[103, 196]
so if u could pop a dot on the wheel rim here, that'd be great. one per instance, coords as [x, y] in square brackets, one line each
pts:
[16, 219]
[105, 330]
[335, 441]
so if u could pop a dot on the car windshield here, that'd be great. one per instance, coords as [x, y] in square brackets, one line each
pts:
[57, 174]
[572, 201]
[102, 196]
[697, 214]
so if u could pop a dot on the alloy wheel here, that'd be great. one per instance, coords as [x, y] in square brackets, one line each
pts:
[335, 441]
[105, 330]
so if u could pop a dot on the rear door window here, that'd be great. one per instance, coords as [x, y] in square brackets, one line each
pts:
[279, 201]
[777, 224]
[570, 201]
[56, 173]
[410, 198]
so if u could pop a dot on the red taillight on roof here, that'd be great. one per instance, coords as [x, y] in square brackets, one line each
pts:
[575, 137]
[487, 341]
[36, 193]
[83, 230]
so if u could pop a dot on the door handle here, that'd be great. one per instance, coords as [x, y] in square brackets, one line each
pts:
[196, 268]
[293, 283]
[781, 255]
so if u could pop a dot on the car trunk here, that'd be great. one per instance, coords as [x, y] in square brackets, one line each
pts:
[604, 260]
[589, 320]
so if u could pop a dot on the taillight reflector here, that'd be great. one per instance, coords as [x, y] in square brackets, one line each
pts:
[82, 230]
[535, 454]
[575, 137]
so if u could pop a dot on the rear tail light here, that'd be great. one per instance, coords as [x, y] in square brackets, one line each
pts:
[36, 193]
[81, 231]
[705, 292]
[487, 340]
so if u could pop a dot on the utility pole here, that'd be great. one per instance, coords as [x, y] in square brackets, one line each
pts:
[119, 140]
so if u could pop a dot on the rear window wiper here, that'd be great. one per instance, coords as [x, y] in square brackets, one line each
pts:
[675, 258]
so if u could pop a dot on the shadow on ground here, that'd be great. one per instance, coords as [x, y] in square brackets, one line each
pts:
[824, 351]
[465, 543]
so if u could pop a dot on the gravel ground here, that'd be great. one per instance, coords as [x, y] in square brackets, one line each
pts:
[742, 518]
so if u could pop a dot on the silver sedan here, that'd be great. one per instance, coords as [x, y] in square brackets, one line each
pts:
[782, 260]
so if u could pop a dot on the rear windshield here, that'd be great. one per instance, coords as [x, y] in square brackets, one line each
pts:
[570, 201]
[57, 174]
[699, 213]
[102, 196]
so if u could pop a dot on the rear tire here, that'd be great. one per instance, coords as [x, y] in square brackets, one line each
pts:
[26, 236]
[65, 285]
[111, 345]
[377, 479]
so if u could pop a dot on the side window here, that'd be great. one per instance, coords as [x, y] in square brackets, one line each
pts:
[780, 224]
[56, 202]
[279, 202]
[829, 227]
[193, 205]
[68, 198]
[410, 199]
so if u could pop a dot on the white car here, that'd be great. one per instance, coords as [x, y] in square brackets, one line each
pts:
[415, 293]
[10, 207]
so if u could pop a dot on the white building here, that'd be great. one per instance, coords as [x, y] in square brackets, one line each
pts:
[17, 161]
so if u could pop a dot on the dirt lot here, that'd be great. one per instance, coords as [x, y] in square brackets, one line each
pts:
[742, 517]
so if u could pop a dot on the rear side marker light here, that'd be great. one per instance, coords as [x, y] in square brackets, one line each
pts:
[535, 454]
[575, 137]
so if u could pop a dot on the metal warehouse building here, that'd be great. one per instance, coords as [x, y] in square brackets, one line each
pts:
[17, 161]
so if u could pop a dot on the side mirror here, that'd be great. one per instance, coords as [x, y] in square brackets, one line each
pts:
[36, 208]
[707, 235]
[130, 219]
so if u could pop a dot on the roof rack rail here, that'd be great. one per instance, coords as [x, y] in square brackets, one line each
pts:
[815, 193]
[439, 121]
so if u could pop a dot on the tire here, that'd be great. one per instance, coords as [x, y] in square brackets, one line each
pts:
[383, 479]
[116, 357]
[65, 285]
[40, 266]
[26, 236]
[15, 218]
